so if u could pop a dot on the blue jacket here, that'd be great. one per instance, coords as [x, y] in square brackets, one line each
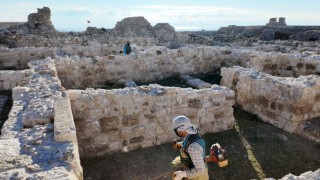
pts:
[127, 49]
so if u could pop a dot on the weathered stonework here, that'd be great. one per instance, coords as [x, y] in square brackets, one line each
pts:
[144, 66]
[304, 176]
[39, 147]
[120, 119]
[10, 79]
[284, 65]
[40, 22]
[284, 102]
[41, 132]
[134, 26]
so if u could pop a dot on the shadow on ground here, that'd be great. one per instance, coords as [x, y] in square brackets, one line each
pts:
[5, 109]
[256, 150]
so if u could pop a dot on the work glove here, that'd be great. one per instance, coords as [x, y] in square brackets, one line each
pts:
[176, 145]
[178, 175]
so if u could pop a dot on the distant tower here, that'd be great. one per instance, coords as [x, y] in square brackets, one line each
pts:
[274, 22]
[282, 21]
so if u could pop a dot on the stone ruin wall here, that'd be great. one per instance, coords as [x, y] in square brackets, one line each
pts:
[285, 102]
[6, 25]
[285, 65]
[40, 22]
[150, 65]
[130, 118]
[39, 32]
[40, 130]
[18, 58]
[81, 40]
[153, 63]
[10, 79]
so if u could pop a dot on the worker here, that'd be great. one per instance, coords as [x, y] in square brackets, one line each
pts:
[127, 48]
[190, 163]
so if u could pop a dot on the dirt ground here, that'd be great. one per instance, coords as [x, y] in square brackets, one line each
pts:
[256, 150]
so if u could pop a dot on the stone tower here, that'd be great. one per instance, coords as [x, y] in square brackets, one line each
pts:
[40, 22]
[274, 22]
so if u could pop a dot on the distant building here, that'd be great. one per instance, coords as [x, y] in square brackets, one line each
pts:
[274, 22]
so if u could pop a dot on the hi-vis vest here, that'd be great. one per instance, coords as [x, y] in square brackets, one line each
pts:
[184, 155]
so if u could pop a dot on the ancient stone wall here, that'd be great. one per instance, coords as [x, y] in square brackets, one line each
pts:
[272, 32]
[10, 79]
[129, 118]
[284, 102]
[5, 25]
[149, 65]
[39, 32]
[18, 58]
[284, 65]
[167, 35]
[153, 63]
[134, 26]
[40, 22]
[40, 132]
[31, 40]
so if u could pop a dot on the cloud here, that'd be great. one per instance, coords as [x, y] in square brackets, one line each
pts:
[192, 16]
[192, 10]
[17, 12]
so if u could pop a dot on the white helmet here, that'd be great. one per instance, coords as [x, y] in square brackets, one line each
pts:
[182, 123]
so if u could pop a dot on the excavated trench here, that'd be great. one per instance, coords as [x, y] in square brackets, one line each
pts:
[212, 78]
[5, 106]
[256, 150]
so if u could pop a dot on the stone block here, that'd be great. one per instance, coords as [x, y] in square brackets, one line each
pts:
[101, 139]
[65, 129]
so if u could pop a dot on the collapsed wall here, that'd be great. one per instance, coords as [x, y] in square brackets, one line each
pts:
[285, 102]
[129, 118]
[40, 131]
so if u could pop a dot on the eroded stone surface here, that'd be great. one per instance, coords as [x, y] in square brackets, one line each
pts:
[27, 145]
[282, 101]
[113, 120]
[310, 175]
[194, 82]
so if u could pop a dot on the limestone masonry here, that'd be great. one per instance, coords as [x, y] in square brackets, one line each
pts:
[114, 120]
[62, 108]
[287, 105]
[45, 150]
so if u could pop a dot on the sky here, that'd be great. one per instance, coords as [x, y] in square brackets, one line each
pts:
[73, 15]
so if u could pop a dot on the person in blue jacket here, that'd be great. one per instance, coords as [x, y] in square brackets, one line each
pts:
[127, 48]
